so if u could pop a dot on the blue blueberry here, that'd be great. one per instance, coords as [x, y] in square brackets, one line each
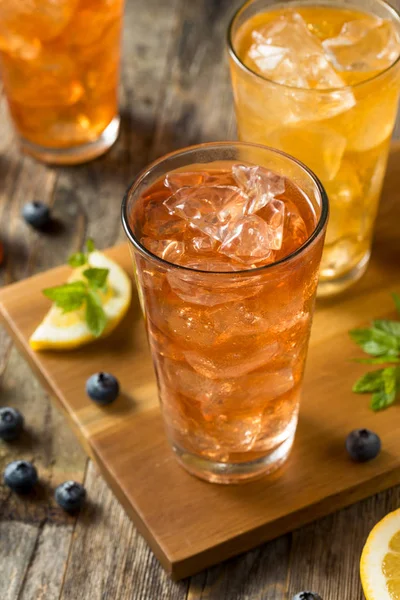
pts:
[307, 596]
[70, 495]
[103, 388]
[363, 445]
[11, 423]
[20, 476]
[37, 214]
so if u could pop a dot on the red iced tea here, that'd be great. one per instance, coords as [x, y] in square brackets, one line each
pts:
[228, 318]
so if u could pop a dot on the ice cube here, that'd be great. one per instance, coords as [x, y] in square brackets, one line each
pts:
[295, 229]
[194, 288]
[203, 243]
[300, 63]
[259, 184]
[288, 53]
[30, 20]
[320, 147]
[364, 45]
[177, 180]
[193, 326]
[208, 208]
[49, 79]
[231, 364]
[250, 240]
[169, 250]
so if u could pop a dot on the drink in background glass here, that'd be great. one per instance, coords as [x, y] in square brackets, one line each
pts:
[321, 82]
[227, 240]
[60, 67]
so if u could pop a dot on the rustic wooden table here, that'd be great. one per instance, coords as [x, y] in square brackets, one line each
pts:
[175, 91]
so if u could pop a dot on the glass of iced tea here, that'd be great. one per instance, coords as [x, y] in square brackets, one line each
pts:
[320, 80]
[59, 63]
[226, 240]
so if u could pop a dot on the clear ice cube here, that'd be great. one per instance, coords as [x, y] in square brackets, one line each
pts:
[178, 180]
[251, 240]
[210, 209]
[363, 45]
[260, 185]
[231, 364]
[320, 147]
[170, 250]
[288, 53]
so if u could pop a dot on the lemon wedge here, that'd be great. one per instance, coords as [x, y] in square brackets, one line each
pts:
[65, 331]
[380, 560]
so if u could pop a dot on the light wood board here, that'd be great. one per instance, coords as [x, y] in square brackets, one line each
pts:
[191, 524]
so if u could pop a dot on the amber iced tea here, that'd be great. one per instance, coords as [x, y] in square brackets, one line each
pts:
[59, 64]
[321, 82]
[226, 251]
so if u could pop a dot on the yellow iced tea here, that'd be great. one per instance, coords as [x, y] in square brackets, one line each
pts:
[228, 292]
[59, 64]
[322, 83]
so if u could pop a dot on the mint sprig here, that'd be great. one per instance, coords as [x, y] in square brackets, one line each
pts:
[82, 258]
[382, 343]
[76, 294]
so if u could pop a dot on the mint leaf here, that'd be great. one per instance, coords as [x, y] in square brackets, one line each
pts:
[389, 376]
[96, 277]
[69, 296]
[77, 260]
[375, 342]
[378, 360]
[96, 319]
[90, 247]
[381, 400]
[396, 299]
[370, 382]
[391, 327]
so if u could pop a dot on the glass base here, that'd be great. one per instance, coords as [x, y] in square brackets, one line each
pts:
[218, 472]
[76, 154]
[331, 287]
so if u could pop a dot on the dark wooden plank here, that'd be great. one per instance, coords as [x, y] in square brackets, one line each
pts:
[109, 559]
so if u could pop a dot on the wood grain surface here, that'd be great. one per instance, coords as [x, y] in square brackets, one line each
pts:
[189, 524]
[175, 91]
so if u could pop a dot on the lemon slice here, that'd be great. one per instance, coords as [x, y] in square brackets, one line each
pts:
[380, 560]
[64, 331]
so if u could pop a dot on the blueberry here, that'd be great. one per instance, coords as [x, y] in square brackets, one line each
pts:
[103, 388]
[11, 423]
[37, 214]
[20, 476]
[307, 596]
[70, 495]
[363, 445]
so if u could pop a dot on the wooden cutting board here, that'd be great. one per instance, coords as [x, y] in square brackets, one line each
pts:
[191, 524]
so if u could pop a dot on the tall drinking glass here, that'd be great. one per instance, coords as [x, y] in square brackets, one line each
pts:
[226, 240]
[60, 68]
[320, 80]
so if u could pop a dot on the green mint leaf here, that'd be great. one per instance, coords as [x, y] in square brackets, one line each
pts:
[69, 296]
[90, 247]
[95, 316]
[77, 260]
[381, 400]
[375, 342]
[378, 360]
[370, 382]
[391, 327]
[390, 376]
[96, 277]
[387, 394]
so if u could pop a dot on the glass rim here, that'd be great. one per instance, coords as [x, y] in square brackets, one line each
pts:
[319, 227]
[241, 64]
